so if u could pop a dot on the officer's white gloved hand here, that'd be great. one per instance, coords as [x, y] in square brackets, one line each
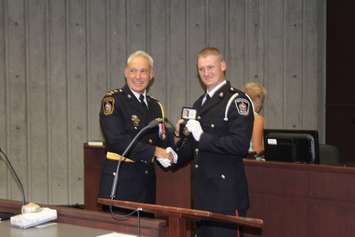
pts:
[194, 127]
[164, 162]
[173, 153]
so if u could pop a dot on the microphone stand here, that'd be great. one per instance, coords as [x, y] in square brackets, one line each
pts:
[152, 124]
[6, 215]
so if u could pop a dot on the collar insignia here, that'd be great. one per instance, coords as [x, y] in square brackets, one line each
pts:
[135, 120]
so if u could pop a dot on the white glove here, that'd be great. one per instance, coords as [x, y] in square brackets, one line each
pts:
[164, 162]
[173, 153]
[194, 127]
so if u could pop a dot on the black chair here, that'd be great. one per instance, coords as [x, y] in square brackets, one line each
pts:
[329, 154]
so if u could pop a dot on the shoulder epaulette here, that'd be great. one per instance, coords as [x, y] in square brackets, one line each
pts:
[153, 98]
[112, 92]
[160, 105]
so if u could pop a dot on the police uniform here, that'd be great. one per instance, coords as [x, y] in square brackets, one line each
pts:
[218, 178]
[122, 116]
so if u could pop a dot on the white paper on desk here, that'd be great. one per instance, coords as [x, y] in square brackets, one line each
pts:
[114, 234]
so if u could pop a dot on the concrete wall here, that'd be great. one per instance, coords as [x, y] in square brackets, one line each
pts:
[58, 57]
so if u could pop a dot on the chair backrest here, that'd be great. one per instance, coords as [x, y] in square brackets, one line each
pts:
[329, 154]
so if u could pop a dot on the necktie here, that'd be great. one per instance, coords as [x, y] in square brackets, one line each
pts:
[205, 99]
[141, 100]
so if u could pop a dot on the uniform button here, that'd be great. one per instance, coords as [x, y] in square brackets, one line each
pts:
[198, 117]
[150, 140]
[146, 172]
[222, 176]
[196, 166]
[135, 128]
[212, 125]
[114, 173]
[196, 149]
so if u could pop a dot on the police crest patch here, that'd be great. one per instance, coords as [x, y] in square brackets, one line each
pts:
[108, 105]
[242, 106]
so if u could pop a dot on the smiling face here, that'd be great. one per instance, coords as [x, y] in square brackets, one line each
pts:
[138, 73]
[211, 69]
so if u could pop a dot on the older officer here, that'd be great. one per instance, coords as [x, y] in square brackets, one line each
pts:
[220, 139]
[124, 112]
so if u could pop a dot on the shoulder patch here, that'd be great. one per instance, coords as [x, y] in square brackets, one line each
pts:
[243, 106]
[108, 105]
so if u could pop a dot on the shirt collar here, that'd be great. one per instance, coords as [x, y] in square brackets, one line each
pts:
[214, 90]
[136, 94]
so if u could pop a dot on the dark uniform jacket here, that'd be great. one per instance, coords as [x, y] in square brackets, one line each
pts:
[218, 178]
[121, 118]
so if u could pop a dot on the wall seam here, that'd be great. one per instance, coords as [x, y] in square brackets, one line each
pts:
[7, 89]
[48, 99]
[88, 73]
[284, 65]
[67, 71]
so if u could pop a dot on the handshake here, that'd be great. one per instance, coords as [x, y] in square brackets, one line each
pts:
[166, 157]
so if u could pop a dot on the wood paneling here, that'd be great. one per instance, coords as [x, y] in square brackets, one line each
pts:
[58, 57]
[340, 108]
[301, 200]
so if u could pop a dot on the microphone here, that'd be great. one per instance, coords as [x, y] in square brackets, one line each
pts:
[150, 125]
[14, 174]
[32, 214]
[153, 123]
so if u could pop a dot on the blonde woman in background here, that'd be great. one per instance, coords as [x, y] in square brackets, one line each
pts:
[257, 94]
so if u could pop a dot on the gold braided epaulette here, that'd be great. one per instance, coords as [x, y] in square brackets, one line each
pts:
[112, 92]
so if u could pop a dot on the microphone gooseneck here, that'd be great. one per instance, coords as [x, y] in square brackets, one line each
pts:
[150, 125]
[14, 174]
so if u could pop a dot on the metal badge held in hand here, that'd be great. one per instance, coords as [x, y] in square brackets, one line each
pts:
[187, 113]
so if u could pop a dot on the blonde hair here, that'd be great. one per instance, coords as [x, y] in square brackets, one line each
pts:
[141, 53]
[210, 51]
[255, 89]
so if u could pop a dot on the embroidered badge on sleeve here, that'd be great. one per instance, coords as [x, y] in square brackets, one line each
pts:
[108, 105]
[242, 106]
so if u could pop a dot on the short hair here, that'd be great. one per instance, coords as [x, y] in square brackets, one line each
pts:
[141, 53]
[209, 51]
[254, 89]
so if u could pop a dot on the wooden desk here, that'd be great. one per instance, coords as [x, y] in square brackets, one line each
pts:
[52, 230]
[302, 199]
[293, 199]
[98, 220]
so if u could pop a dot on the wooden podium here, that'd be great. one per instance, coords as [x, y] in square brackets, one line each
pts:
[177, 216]
[180, 180]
